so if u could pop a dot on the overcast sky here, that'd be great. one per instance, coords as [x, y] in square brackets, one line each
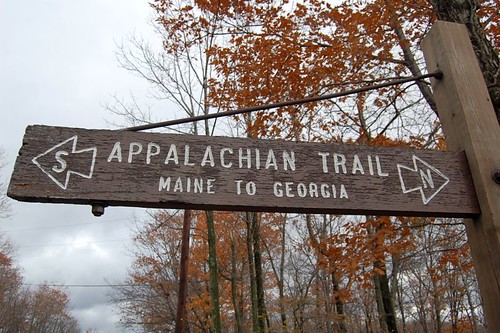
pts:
[58, 67]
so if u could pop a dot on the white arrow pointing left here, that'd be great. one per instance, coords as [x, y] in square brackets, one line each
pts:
[54, 162]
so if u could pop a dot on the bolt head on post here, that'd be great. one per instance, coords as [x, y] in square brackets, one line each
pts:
[496, 176]
[98, 209]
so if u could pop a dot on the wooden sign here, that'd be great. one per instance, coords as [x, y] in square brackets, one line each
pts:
[121, 168]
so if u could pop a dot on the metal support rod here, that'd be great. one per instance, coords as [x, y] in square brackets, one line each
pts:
[438, 74]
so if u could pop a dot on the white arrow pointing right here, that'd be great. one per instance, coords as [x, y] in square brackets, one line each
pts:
[432, 181]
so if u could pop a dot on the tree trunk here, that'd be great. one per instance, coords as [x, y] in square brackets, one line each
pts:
[470, 303]
[385, 304]
[437, 306]
[324, 311]
[397, 288]
[279, 273]
[339, 306]
[251, 273]
[380, 304]
[213, 271]
[281, 284]
[411, 62]
[464, 12]
[368, 316]
[180, 320]
[234, 288]
[259, 280]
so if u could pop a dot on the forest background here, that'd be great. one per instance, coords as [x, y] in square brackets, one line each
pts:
[294, 272]
[288, 272]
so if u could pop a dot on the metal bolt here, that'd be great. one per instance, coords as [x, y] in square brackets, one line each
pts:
[496, 176]
[438, 75]
[98, 209]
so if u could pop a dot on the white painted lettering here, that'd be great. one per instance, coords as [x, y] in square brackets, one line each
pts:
[198, 185]
[164, 184]
[152, 152]
[301, 190]
[271, 160]
[325, 193]
[339, 161]
[370, 165]
[379, 167]
[210, 185]
[251, 188]
[186, 156]
[427, 178]
[357, 166]
[238, 186]
[60, 168]
[116, 152]
[208, 157]
[222, 158]
[324, 161]
[257, 158]
[178, 185]
[247, 157]
[135, 148]
[187, 184]
[343, 192]
[313, 190]
[289, 160]
[172, 155]
[277, 188]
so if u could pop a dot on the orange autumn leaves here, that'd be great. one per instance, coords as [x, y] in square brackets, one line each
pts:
[352, 251]
[312, 49]
[263, 52]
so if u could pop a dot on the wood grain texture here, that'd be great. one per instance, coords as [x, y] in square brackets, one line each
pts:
[155, 170]
[469, 123]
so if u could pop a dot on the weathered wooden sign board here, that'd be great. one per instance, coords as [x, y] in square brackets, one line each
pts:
[120, 168]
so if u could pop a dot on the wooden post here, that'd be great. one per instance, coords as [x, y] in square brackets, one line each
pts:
[469, 123]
